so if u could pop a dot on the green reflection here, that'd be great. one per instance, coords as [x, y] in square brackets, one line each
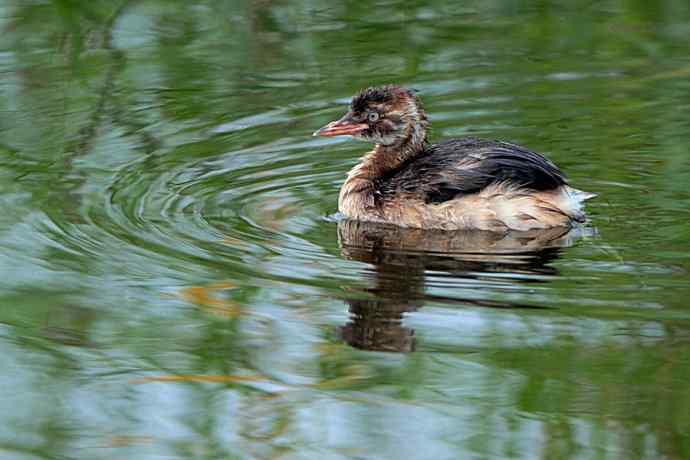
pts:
[162, 221]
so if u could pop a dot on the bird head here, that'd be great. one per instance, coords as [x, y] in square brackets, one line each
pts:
[387, 115]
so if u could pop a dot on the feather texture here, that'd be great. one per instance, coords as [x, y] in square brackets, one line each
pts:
[458, 184]
[464, 166]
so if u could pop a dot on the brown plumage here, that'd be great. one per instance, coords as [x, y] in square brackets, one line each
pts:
[458, 184]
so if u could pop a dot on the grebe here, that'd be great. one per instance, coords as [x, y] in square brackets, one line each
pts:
[457, 184]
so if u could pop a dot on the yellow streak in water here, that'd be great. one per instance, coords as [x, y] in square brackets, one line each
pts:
[200, 378]
[204, 297]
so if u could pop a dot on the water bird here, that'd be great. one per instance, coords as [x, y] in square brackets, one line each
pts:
[459, 184]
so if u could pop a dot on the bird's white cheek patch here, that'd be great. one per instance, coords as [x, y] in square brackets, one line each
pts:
[384, 140]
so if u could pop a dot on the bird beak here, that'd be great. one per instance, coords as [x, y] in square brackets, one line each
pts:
[343, 127]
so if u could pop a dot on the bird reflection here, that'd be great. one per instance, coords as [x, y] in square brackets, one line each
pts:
[400, 259]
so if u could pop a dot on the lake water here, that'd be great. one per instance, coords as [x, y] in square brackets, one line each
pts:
[173, 283]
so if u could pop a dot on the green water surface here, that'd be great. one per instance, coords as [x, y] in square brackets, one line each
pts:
[173, 284]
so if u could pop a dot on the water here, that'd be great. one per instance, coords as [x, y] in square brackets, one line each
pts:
[173, 284]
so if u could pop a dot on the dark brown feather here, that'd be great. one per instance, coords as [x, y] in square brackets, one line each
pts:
[464, 166]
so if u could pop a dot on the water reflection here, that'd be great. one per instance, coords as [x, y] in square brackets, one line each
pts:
[400, 259]
[153, 151]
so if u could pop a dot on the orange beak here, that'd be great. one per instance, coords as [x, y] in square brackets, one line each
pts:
[343, 127]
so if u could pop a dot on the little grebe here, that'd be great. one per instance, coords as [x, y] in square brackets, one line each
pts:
[457, 184]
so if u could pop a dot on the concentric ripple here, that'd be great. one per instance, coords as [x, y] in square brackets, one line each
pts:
[257, 211]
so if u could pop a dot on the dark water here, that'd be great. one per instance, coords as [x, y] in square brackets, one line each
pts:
[171, 284]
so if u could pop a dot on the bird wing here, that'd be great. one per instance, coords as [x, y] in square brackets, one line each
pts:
[465, 166]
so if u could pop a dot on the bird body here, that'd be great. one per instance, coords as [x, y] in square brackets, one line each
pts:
[458, 184]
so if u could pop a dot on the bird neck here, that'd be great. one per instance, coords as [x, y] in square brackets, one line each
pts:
[358, 198]
[386, 158]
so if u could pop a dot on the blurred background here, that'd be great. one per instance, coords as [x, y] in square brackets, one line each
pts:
[173, 283]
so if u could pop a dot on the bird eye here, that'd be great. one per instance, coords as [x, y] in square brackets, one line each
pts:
[373, 116]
